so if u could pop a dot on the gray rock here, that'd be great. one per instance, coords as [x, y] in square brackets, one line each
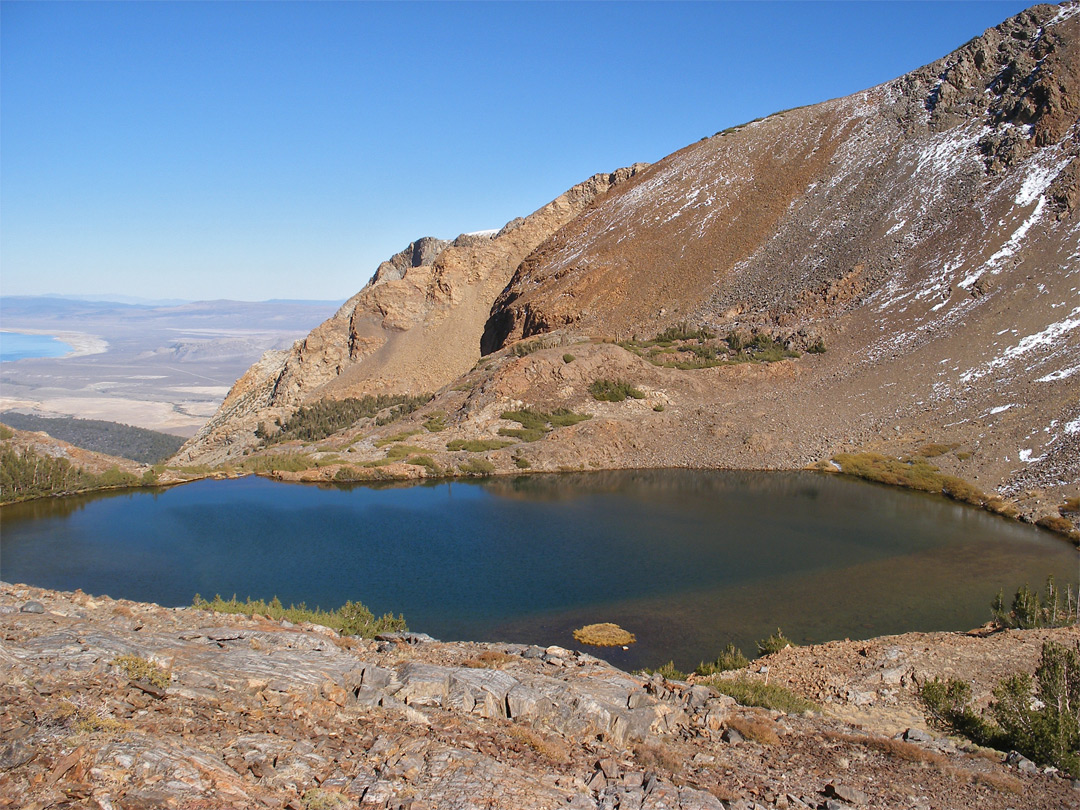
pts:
[16, 753]
[406, 638]
[917, 735]
[1021, 762]
[32, 607]
[730, 735]
[845, 793]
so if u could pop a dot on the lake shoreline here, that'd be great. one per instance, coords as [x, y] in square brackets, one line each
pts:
[82, 344]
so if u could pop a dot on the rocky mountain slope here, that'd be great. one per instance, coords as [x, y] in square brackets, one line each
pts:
[415, 327]
[924, 233]
[116, 704]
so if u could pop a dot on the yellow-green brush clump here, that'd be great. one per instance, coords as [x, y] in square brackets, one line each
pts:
[605, 634]
[138, 668]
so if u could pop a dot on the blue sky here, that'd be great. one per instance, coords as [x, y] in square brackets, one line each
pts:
[263, 150]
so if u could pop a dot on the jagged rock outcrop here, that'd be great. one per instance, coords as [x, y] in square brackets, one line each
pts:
[415, 327]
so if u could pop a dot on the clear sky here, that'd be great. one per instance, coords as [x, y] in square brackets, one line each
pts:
[259, 150]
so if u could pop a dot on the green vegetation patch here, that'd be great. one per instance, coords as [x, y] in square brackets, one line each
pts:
[477, 466]
[730, 658]
[1032, 609]
[351, 619]
[283, 462]
[313, 422]
[112, 438]
[668, 671]
[527, 347]
[747, 692]
[913, 473]
[397, 437]
[775, 643]
[27, 475]
[435, 422]
[1039, 717]
[400, 451]
[685, 348]
[534, 424]
[477, 445]
[605, 390]
[137, 668]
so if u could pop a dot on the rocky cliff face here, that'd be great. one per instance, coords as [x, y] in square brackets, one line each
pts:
[924, 232]
[415, 327]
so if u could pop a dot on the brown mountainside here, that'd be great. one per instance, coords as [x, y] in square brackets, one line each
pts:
[925, 232]
[415, 327]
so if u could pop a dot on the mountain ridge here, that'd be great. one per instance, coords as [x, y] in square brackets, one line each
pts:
[906, 230]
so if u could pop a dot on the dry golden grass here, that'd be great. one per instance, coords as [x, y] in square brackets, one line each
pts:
[898, 749]
[605, 634]
[657, 755]
[488, 659]
[759, 729]
[552, 749]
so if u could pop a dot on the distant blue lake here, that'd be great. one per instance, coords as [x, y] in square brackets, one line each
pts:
[20, 346]
[687, 560]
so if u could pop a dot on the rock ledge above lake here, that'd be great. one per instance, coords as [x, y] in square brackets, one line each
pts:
[260, 713]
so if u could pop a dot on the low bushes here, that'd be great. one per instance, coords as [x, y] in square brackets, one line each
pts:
[477, 445]
[351, 619]
[1038, 717]
[614, 391]
[535, 424]
[748, 692]
[730, 658]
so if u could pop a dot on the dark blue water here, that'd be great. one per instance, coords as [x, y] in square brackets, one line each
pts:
[686, 560]
[19, 346]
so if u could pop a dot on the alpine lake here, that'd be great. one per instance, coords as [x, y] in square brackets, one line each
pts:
[686, 560]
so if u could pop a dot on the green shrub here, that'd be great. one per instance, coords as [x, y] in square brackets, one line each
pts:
[614, 391]
[524, 434]
[27, 475]
[747, 692]
[400, 451]
[435, 422]
[137, 668]
[534, 424]
[477, 445]
[568, 358]
[8, 433]
[1031, 609]
[774, 643]
[1040, 719]
[730, 658]
[397, 437]
[683, 331]
[310, 423]
[522, 463]
[668, 670]
[477, 466]
[523, 348]
[429, 463]
[352, 618]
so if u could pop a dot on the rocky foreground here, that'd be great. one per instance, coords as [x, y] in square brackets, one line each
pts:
[255, 713]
